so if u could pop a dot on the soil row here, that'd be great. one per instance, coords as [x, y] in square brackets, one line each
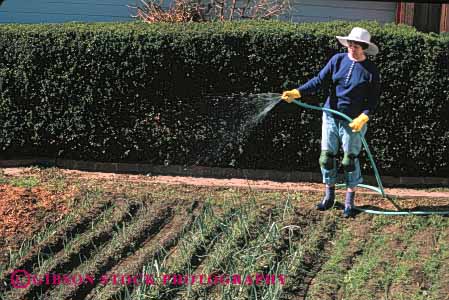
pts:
[81, 247]
[74, 224]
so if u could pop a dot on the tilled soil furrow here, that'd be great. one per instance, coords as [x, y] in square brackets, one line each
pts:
[146, 224]
[81, 249]
[55, 242]
[441, 291]
[257, 256]
[311, 247]
[191, 248]
[312, 265]
[371, 270]
[347, 247]
[235, 238]
[151, 249]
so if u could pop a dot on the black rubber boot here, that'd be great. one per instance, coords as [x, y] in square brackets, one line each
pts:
[328, 199]
[349, 210]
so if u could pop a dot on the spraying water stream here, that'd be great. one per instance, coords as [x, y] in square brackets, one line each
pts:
[266, 102]
[235, 130]
[237, 126]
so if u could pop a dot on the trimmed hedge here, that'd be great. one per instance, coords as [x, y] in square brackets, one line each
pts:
[179, 94]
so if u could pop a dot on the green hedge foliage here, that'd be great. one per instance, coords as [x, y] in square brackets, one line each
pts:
[178, 94]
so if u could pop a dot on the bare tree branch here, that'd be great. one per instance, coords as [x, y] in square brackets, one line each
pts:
[151, 11]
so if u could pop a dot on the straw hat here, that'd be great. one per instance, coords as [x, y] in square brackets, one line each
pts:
[359, 35]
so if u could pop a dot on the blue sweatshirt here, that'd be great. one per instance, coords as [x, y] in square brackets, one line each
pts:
[356, 85]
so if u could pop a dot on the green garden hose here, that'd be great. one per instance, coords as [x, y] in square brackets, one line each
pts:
[379, 189]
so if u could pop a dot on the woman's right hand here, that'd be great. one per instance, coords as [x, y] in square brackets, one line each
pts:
[288, 96]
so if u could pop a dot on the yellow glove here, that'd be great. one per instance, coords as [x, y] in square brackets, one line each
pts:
[288, 96]
[358, 122]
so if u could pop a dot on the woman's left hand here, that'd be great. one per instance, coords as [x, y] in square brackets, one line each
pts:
[358, 122]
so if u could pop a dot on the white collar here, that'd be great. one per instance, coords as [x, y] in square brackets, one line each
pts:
[353, 59]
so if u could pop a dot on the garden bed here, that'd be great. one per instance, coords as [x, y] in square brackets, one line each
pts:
[121, 224]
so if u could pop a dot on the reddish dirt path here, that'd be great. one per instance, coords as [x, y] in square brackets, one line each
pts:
[234, 182]
[20, 208]
[24, 212]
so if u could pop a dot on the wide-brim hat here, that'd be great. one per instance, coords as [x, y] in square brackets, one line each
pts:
[359, 35]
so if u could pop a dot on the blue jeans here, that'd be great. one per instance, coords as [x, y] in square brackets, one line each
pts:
[335, 132]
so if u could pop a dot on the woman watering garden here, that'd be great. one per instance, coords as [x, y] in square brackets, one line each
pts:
[355, 92]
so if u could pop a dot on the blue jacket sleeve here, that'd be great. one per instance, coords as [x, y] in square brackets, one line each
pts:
[316, 82]
[373, 94]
